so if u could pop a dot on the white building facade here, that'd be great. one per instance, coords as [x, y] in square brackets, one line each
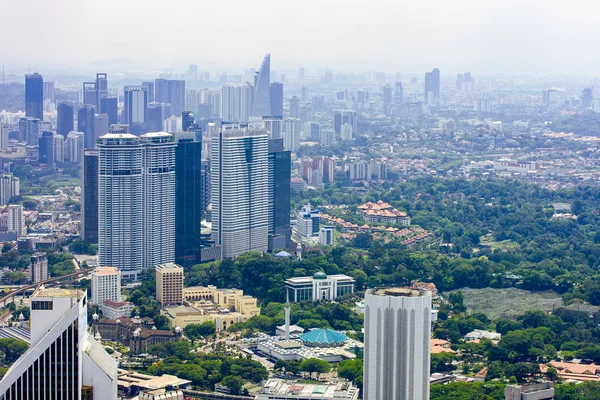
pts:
[397, 344]
[239, 187]
[16, 220]
[106, 285]
[319, 287]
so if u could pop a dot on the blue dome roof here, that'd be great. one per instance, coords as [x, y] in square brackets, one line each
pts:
[283, 254]
[325, 337]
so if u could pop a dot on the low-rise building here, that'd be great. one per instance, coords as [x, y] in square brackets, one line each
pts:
[182, 316]
[530, 391]
[479, 334]
[382, 212]
[113, 309]
[319, 287]
[280, 389]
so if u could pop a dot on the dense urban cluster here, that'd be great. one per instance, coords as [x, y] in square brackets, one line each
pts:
[262, 233]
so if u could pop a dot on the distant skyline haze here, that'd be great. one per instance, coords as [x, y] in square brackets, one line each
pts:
[512, 36]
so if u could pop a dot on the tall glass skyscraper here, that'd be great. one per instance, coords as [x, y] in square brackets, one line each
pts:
[239, 184]
[188, 202]
[85, 123]
[65, 116]
[276, 99]
[261, 105]
[89, 197]
[280, 169]
[34, 96]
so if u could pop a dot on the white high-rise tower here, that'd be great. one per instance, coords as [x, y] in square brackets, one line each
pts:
[397, 344]
[239, 179]
[136, 201]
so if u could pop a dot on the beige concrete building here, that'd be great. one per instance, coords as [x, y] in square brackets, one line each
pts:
[232, 299]
[169, 284]
[182, 316]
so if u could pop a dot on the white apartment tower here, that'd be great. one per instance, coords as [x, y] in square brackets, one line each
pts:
[291, 137]
[62, 358]
[74, 147]
[239, 182]
[106, 285]
[159, 198]
[10, 186]
[16, 220]
[136, 198]
[397, 344]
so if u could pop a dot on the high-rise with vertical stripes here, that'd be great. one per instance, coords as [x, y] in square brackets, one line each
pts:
[239, 184]
[136, 201]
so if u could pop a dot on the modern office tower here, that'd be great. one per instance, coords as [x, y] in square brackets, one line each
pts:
[432, 87]
[16, 220]
[170, 91]
[305, 113]
[100, 126]
[63, 360]
[158, 197]
[48, 91]
[397, 344]
[301, 73]
[58, 146]
[236, 103]
[169, 284]
[172, 124]
[34, 96]
[46, 149]
[587, 98]
[307, 222]
[149, 85]
[4, 129]
[74, 147]
[188, 202]
[10, 186]
[481, 103]
[239, 184]
[326, 235]
[276, 99]
[120, 203]
[304, 94]
[465, 81]
[261, 105]
[280, 170]
[154, 116]
[187, 120]
[101, 88]
[65, 117]
[328, 137]
[312, 130]
[550, 98]
[342, 117]
[135, 103]
[387, 96]
[106, 285]
[30, 129]
[274, 127]
[294, 107]
[89, 95]
[38, 267]
[291, 135]
[110, 105]
[206, 182]
[86, 117]
[398, 94]
[89, 196]
[216, 103]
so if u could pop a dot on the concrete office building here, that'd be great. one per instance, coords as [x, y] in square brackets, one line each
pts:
[109, 105]
[89, 94]
[530, 391]
[63, 360]
[74, 147]
[276, 99]
[291, 136]
[236, 103]
[326, 235]
[274, 126]
[170, 91]
[101, 89]
[169, 284]
[397, 344]
[16, 220]
[307, 222]
[38, 267]
[106, 285]
[89, 196]
[239, 185]
[58, 146]
[10, 186]
[135, 103]
[30, 130]
[34, 96]
[46, 149]
[4, 130]
[343, 117]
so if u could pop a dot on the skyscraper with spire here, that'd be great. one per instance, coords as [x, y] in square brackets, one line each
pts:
[262, 89]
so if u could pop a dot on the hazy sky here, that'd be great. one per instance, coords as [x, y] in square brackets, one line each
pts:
[484, 36]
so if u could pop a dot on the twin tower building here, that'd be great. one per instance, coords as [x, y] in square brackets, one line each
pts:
[145, 196]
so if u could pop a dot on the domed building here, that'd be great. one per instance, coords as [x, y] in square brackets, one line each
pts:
[323, 338]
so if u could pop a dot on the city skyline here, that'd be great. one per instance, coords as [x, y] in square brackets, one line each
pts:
[446, 36]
